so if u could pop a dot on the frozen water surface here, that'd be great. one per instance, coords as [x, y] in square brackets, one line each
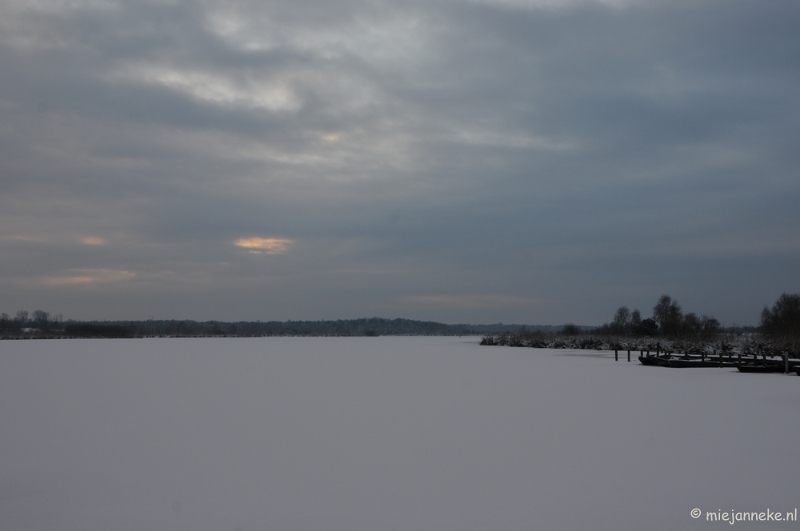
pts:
[374, 434]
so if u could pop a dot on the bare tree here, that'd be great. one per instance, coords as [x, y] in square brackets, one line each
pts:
[41, 319]
[784, 317]
[667, 313]
[690, 325]
[621, 321]
[636, 321]
[709, 326]
[21, 318]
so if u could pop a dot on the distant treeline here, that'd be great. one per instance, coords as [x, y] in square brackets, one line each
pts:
[780, 323]
[779, 328]
[41, 324]
[668, 320]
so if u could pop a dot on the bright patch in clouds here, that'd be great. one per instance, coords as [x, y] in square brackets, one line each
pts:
[89, 276]
[561, 4]
[257, 245]
[93, 240]
[246, 91]
[22, 238]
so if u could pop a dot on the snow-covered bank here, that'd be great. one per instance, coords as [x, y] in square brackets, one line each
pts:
[727, 344]
[390, 433]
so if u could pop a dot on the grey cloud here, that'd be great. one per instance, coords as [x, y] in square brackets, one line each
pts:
[589, 156]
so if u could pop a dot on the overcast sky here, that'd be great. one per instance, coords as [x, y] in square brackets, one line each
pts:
[526, 161]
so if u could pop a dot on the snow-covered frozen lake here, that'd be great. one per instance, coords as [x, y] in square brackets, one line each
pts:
[380, 434]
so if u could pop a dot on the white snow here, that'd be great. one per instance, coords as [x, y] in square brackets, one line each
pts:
[375, 434]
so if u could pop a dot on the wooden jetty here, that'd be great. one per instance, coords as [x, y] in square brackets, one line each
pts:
[758, 360]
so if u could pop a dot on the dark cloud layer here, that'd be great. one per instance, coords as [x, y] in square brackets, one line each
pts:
[527, 161]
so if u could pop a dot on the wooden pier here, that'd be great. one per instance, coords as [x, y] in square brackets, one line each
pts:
[753, 360]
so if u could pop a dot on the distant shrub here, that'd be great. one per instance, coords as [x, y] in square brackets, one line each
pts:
[571, 330]
[97, 330]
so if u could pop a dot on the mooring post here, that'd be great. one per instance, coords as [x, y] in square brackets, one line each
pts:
[616, 357]
[629, 355]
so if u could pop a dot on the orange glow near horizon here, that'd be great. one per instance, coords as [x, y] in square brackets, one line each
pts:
[93, 240]
[258, 245]
[90, 276]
